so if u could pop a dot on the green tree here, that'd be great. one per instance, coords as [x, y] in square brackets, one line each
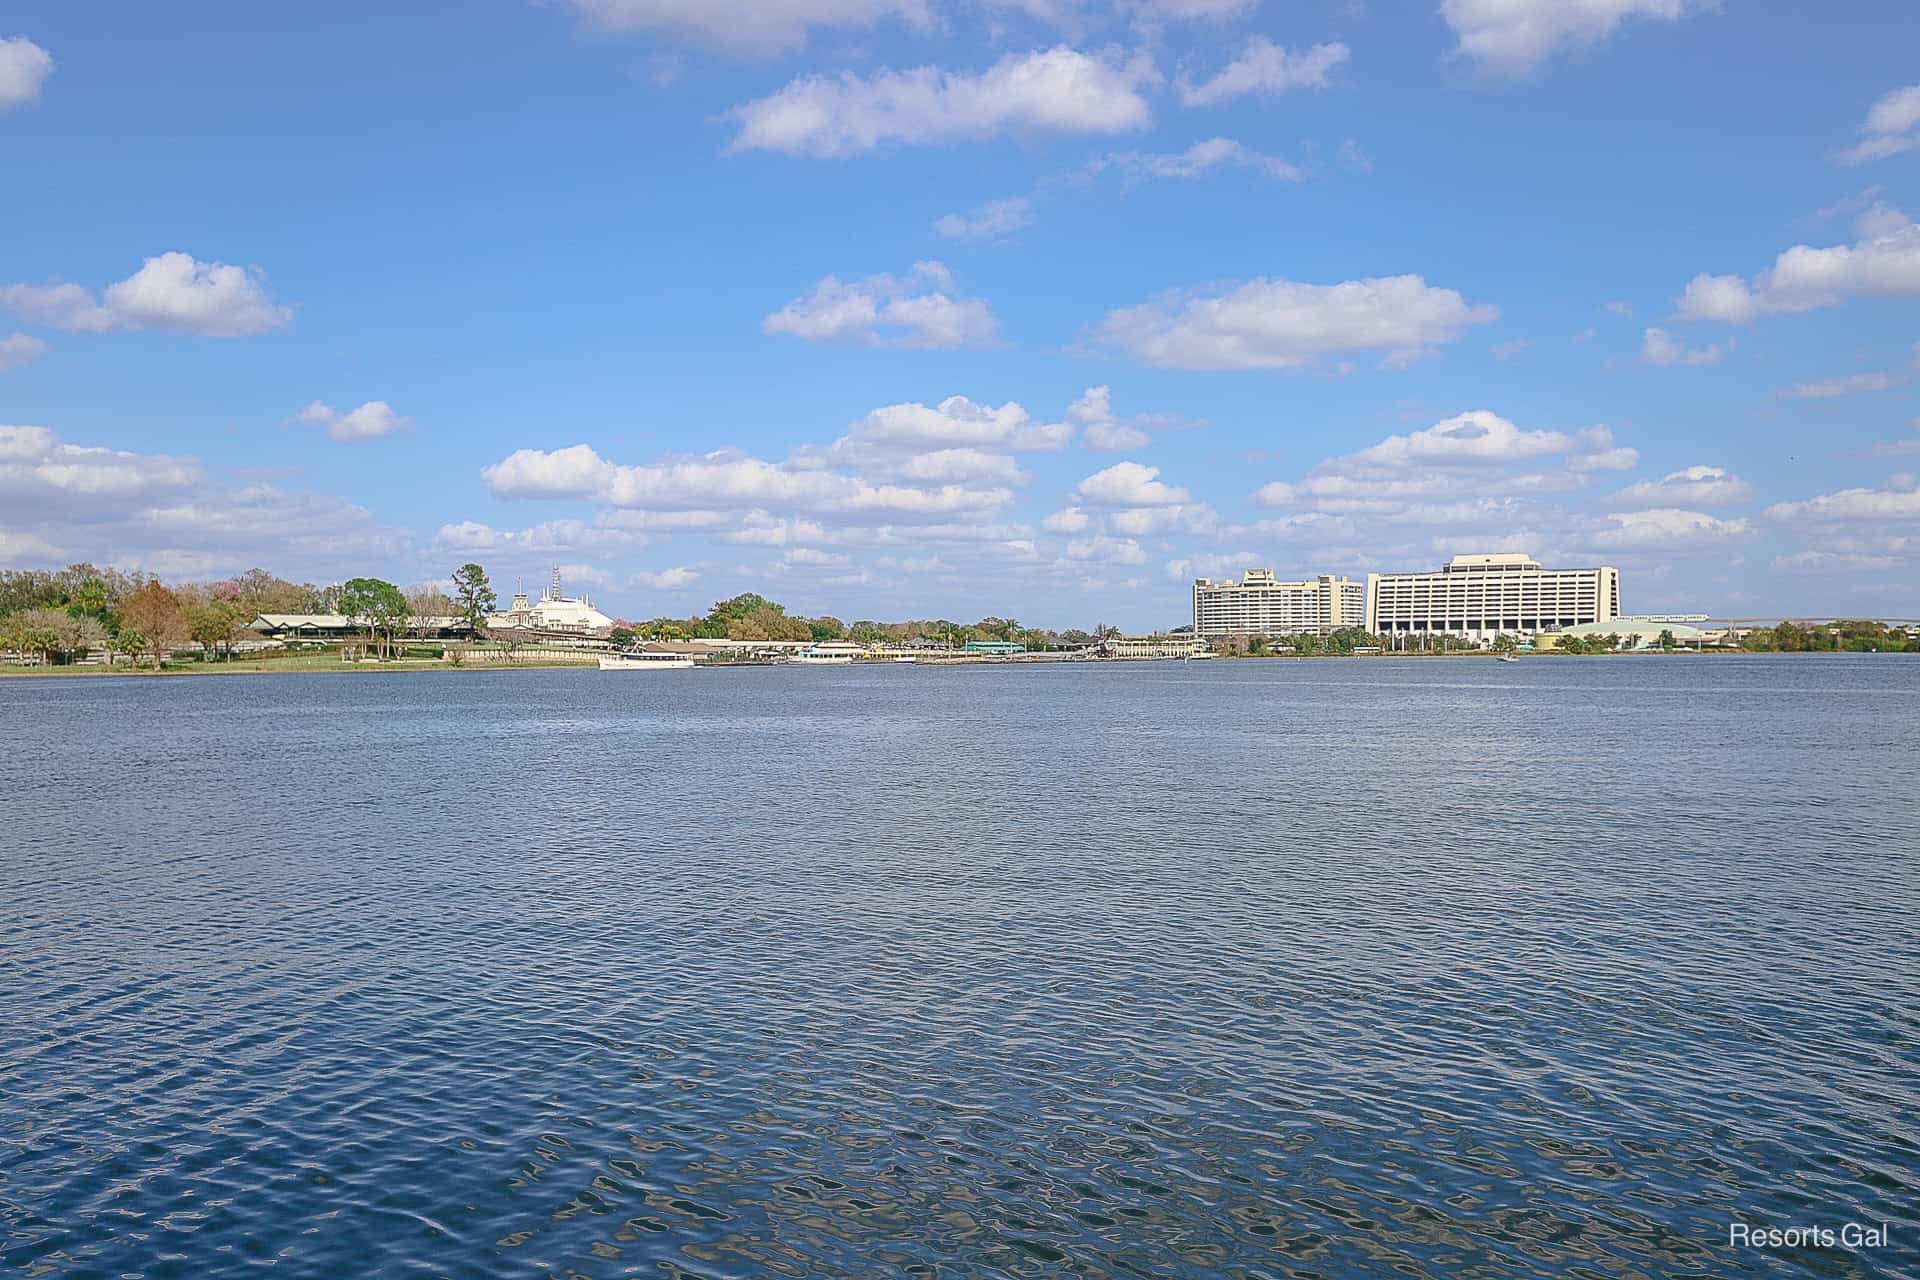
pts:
[129, 643]
[210, 623]
[377, 605]
[473, 598]
[621, 637]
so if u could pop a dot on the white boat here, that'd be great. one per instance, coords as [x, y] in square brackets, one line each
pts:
[906, 658]
[1508, 657]
[640, 660]
[823, 659]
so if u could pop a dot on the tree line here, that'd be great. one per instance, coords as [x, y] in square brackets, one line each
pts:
[62, 615]
[750, 616]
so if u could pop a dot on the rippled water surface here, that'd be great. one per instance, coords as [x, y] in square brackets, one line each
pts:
[1245, 969]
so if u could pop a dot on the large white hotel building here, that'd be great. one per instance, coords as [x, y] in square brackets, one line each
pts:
[1481, 596]
[1261, 605]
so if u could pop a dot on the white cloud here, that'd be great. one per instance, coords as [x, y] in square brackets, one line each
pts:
[1849, 505]
[723, 479]
[1057, 90]
[1513, 39]
[20, 350]
[24, 67]
[1189, 10]
[601, 535]
[1846, 385]
[1884, 263]
[883, 310]
[1667, 527]
[1267, 69]
[1891, 127]
[1624, 310]
[995, 218]
[1103, 429]
[956, 439]
[1282, 324]
[1661, 348]
[1129, 484]
[173, 291]
[1479, 438]
[1199, 159]
[1110, 550]
[1191, 517]
[1067, 520]
[1693, 487]
[774, 26]
[674, 579]
[370, 421]
[160, 513]
[38, 470]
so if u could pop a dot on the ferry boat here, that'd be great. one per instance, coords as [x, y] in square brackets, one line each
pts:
[641, 660]
[814, 658]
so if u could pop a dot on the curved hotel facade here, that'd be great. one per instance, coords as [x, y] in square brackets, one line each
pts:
[1481, 596]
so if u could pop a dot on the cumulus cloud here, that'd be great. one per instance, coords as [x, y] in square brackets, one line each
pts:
[599, 535]
[1661, 348]
[990, 220]
[774, 27]
[24, 67]
[1102, 428]
[1666, 527]
[724, 479]
[955, 440]
[1067, 520]
[1129, 484]
[1282, 324]
[1884, 263]
[37, 469]
[1891, 127]
[1848, 505]
[1268, 70]
[917, 311]
[370, 421]
[160, 513]
[1481, 438]
[1846, 385]
[1690, 487]
[1197, 160]
[1058, 90]
[173, 292]
[1513, 39]
[1103, 548]
[674, 579]
[19, 350]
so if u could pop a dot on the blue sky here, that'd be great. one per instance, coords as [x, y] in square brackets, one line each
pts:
[955, 307]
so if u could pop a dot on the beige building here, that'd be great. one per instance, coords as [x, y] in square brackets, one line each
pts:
[1261, 605]
[1481, 596]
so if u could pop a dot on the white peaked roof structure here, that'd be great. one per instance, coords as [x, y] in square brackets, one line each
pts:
[554, 611]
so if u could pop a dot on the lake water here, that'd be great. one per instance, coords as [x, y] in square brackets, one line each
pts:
[1243, 969]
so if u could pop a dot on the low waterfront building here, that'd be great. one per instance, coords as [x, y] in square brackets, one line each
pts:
[554, 614]
[1635, 633]
[1153, 646]
[328, 628]
[1261, 605]
[1001, 647]
[1479, 597]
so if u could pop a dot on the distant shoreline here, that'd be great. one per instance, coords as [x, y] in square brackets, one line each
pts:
[284, 667]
